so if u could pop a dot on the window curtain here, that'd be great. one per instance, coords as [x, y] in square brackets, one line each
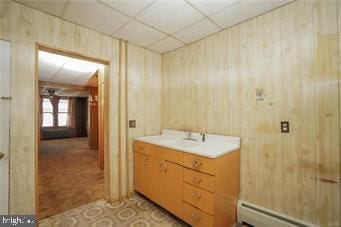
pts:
[54, 101]
[41, 111]
[71, 113]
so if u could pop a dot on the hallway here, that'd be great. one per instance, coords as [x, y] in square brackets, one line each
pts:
[69, 175]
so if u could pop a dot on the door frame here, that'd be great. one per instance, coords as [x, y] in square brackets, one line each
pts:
[103, 97]
[9, 125]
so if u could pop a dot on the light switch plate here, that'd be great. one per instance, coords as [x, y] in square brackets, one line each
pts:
[132, 123]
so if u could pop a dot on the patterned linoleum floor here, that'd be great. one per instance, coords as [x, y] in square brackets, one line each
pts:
[133, 212]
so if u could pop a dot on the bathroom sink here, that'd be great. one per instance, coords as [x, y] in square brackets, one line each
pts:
[187, 143]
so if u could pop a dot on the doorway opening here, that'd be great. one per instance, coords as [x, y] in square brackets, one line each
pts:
[71, 150]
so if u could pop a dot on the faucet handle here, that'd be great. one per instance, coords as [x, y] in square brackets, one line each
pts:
[203, 136]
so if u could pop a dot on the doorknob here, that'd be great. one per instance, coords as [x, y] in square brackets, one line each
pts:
[5, 98]
[2, 155]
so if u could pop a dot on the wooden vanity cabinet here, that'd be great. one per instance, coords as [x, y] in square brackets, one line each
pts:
[202, 191]
[159, 179]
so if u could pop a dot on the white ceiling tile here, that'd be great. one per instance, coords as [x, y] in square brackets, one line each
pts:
[139, 34]
[95, 15]
[170, 15]
[66, 70]
[197, 31]
[241, 11]
[52, 7]
[64, 76]
[82, 80]
[46, 70]
[49, 64]
[166, 45]
[129, 7]
[210, 7]
[278, 3]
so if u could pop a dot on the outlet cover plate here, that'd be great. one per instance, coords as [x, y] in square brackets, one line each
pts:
[285, 127]
[132, 123]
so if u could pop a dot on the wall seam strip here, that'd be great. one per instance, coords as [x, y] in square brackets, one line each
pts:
[119, 120]
[338, 74]
[315, 103]
[126, 117]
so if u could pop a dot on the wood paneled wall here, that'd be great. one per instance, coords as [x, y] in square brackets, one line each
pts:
[290, 53]
[144, 99]
[24, 27]
[208, 86]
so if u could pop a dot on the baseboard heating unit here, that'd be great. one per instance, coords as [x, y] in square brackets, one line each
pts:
[258, 216]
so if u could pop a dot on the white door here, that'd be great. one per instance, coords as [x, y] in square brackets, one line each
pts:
[5, 57]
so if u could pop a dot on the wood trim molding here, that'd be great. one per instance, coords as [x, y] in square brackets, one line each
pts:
[127, 117]
[72, 54]
[37, 129]
[119, 123]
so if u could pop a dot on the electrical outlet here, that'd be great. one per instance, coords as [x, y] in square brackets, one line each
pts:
[260, 95]
[132, 124]
[285, 127]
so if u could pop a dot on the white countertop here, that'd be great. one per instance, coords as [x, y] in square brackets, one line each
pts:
[213, 147]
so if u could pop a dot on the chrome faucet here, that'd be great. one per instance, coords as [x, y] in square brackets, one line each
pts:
[203, 136]
[188, 134]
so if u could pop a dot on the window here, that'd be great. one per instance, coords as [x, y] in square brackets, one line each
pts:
[47, 113]
[63, 108]
[55, 114]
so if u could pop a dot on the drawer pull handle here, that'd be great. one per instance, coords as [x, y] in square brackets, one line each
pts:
[162, 166]
[196, 216]
[196, 180]
[146, 160]
[196, 164]
[196, 195]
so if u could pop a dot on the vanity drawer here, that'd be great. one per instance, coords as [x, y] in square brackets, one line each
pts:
[196, 217]
[141, 147]
[198, 179]
[199, 198]
[166, 154]
[199, 163]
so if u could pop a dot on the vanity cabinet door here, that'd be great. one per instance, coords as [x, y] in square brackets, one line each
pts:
[155, 180]
[165, 181]
[172, 188]
[142, 174]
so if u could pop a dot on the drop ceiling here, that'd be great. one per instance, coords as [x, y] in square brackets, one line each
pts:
[60, 69]
[158, 25]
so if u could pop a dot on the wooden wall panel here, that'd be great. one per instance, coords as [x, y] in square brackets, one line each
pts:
[24, 27]
[327, 116]
[266, 113]
[298, 90]
[144, 99]
[290, 54]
